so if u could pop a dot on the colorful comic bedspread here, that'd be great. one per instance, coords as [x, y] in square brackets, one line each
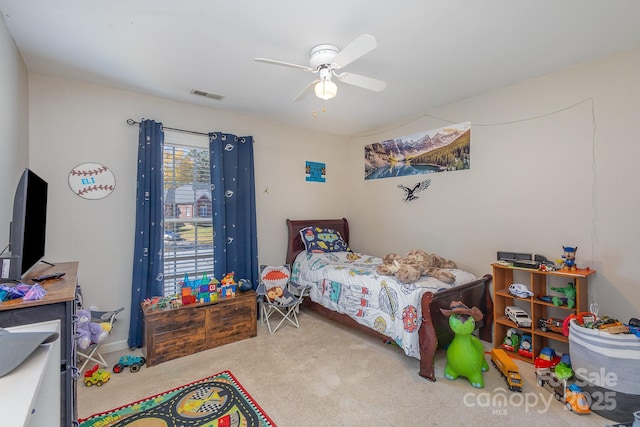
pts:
[347, 282]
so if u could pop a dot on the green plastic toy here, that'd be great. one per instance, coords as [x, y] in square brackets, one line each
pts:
[465, 355]
[569, 293]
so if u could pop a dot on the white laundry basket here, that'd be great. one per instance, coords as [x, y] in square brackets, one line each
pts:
[607, 366]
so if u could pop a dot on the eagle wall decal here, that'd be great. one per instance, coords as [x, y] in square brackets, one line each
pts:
[410, 193]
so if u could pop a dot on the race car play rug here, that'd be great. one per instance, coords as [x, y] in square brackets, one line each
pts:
[216, 401]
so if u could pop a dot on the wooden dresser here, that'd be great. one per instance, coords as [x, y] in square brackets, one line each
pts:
[178, 332]
[58, 304]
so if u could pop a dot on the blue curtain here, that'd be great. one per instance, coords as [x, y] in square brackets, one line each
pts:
[147, 255]
[235, 243]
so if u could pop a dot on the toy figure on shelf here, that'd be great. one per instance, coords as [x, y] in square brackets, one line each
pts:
[519, 290]
[569, 258]
[512, 341]
[525, 346]
[569, 293]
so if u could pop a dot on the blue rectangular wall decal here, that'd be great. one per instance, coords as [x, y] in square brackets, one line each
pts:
[315, 172]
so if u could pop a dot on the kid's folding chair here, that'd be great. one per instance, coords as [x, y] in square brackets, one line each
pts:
[92, 353]
[276, 297]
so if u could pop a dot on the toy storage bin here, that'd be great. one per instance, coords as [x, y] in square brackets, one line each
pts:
[608, 365]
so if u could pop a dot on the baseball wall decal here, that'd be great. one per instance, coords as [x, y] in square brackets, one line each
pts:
[92, 181]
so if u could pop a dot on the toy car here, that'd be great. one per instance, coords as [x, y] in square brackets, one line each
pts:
[576, 401]
[569, 394]
[563, 371]
[96, 376]
[551, 324]
[519, 290]
[518, 316]
[133, 362]
[546, 359]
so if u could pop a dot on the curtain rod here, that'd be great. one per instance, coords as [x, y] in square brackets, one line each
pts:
[132, 122]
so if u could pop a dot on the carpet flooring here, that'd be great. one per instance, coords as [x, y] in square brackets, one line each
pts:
[324, 374]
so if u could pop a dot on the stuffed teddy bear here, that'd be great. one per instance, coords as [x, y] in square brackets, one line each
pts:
[89, 332]
[415, 264]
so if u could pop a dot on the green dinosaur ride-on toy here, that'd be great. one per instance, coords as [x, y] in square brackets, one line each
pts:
[133, 362]
[465, 355]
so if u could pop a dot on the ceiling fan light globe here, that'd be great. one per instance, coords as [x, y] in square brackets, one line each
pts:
[326, 89]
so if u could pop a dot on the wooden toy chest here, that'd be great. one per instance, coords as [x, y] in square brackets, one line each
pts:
[178, 332]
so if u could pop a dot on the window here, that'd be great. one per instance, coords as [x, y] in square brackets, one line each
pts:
[188, 226]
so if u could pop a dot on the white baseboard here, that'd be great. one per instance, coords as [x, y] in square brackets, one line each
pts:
[114, 346]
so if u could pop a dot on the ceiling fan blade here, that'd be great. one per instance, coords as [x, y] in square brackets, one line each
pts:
[362, 81]
[354, 50]
[286, 64]
[305, 91]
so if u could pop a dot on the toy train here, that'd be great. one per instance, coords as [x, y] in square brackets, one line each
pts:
[508, 369]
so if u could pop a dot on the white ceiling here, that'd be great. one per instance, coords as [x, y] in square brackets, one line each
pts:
[430, 52]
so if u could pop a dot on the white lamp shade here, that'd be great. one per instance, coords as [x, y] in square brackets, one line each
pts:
[326, 89]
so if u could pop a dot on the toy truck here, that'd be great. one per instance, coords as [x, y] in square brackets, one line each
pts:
[96, 376]
[569, 394]
[508, 369]
[133, 362]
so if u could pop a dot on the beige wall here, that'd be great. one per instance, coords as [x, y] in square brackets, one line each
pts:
[14, 129]
[72, 122]
[561, 171]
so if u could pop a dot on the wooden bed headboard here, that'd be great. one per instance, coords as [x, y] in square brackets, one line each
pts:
[294, 242]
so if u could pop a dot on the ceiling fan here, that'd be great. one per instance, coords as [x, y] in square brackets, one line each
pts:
[326, 59]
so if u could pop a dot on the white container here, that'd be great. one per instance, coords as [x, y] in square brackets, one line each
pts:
[607, 366]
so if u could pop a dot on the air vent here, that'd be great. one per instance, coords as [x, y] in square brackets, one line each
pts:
[207, 94]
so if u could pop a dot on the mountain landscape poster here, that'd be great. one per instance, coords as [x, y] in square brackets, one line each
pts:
[438, 150]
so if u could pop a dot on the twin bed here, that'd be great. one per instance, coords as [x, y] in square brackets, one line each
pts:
[345, 287]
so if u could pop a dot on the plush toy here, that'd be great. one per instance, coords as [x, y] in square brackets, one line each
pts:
[465, 355]
[415, 264]
[89, 332]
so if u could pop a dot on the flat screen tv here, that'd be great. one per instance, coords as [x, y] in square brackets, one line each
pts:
[28, 228]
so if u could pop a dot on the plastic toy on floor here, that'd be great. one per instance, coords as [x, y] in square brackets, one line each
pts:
[133, 362]
[96, 376]
[465, 355]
